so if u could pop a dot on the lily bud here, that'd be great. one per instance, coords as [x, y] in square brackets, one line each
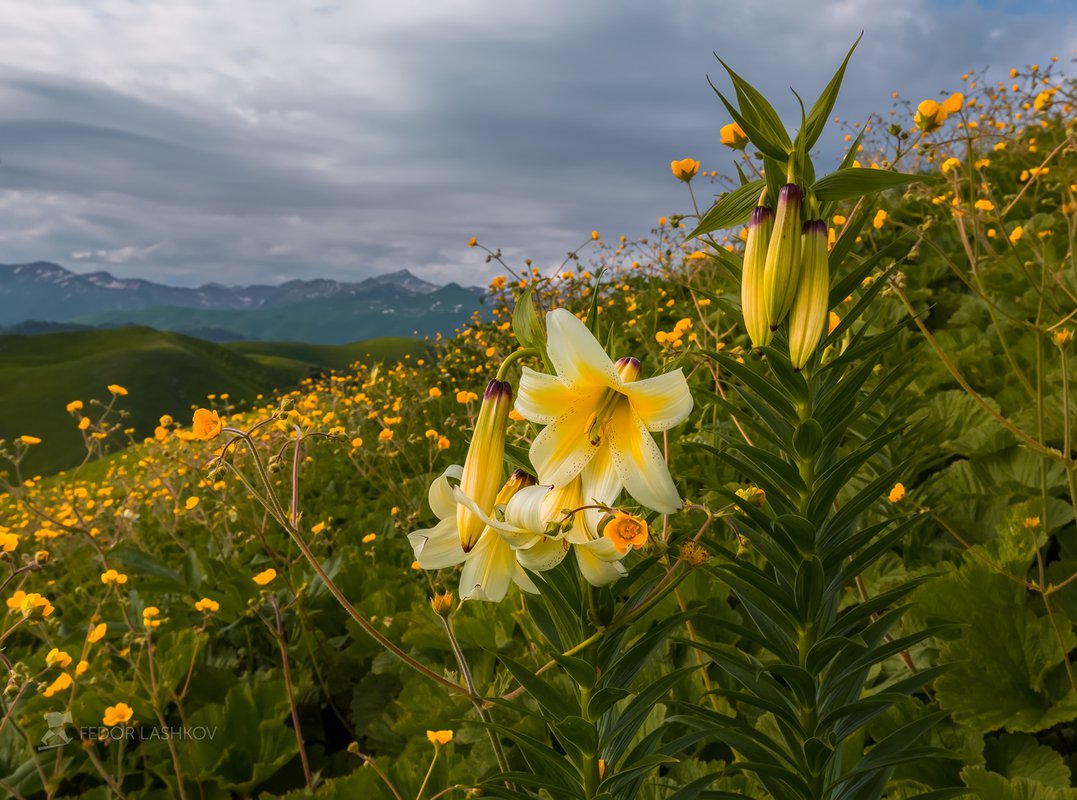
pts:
[808, 316]
[752, 304]
[482, 467]
[782, 269]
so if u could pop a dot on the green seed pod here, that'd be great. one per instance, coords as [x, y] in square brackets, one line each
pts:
[752, 301]
[782, 269]
[808, 316]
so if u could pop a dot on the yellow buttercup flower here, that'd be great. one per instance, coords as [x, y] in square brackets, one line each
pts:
[112, 576]
[205, 604]
[58, 658]
[880, 219]
[117, 390]
[685, 169]
[117, 714]
[29, 440]
[97, 632]
[733, 136]
[206, 424]
[897, 493]
[63, 681]
[438, 738]
[592, 404]
[953, 103]
[929, 116]
[265, 576]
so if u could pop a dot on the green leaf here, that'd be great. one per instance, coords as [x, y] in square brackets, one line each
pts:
[551, 700]
[820, 112]
[141, 563]
[526, 323]
[992, 786]
[756, 131]
[731, 209]
[844, 184]
[1007, 667]
[1021, 756]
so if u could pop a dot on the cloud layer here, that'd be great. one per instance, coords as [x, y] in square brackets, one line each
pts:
[263, 140]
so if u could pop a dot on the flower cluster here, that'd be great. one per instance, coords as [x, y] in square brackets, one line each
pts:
[597, 416]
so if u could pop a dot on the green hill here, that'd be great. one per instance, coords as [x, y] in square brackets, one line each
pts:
[303, 356]
[164, 373]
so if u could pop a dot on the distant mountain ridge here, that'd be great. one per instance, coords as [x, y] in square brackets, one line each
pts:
[318, 310]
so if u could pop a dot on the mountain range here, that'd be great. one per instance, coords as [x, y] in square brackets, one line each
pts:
[40, 295]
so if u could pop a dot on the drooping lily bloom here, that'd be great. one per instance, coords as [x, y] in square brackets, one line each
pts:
[594, 405]
[491, 566]
[541, 523]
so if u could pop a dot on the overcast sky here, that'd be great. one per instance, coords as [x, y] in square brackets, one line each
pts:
[240, 141]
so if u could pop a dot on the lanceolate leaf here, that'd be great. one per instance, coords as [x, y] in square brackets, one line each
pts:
[844, 184]
[730, 210]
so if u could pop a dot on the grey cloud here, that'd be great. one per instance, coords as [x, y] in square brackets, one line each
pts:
[254, 141]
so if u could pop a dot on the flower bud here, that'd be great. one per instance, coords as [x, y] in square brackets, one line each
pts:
[483, 465]
[782, 268]
[752, 306]
[442, 603]
[809, 314]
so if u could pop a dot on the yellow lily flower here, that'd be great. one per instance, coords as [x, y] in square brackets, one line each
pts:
[491, 565]
[594, 405]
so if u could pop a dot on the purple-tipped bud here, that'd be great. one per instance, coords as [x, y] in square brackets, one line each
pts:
[782, 269]
[808, 316]
[628, 368]
[752, 302]
[481, 479]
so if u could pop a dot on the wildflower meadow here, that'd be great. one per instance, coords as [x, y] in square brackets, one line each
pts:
[774, 502]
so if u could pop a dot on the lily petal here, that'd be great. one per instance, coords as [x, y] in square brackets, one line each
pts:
[513, 535]
[576, 354]
[661, 401]
[597, 571]
[523, 580]
[440, 495]
[523, 512]
[601, 483]
[563, 448]
[603, 549]
[639, 462]
[437, 547]
[543, 398]
[489, 569]
[543, 555]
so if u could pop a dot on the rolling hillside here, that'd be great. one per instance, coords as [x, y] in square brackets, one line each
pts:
[164, 373]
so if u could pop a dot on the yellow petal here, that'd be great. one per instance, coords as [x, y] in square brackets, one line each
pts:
[440, 493]
[662, 401]
[576, 354]
[488, 570]
[595, 570]
[543, 398]
[544, 554]
[563, 448]
[639, 462]
[437, 547]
